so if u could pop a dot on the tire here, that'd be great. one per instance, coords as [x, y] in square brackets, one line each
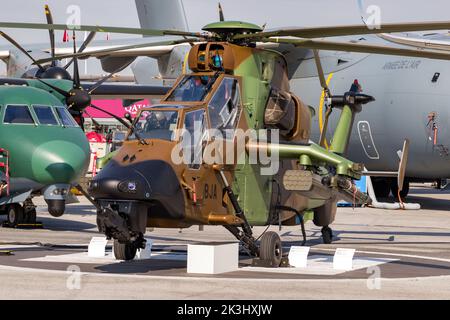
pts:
[394, 189]
[381, 187]
[270, 248]
[15, 214]
[124, 251]
[327, 235]
[30, 216]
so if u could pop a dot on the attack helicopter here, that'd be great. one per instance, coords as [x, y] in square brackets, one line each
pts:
[43, 148]
[234, 85]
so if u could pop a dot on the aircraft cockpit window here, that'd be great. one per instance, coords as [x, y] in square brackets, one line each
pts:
[192, 88]
[18, 114]
[157, 124]
[194, 136]
[45, 115]
[65, 117]
[225, 105]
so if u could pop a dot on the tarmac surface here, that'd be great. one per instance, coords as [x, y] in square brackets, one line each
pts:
[399, 255]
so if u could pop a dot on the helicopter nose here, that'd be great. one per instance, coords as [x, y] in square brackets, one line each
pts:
[150, 181]
[59, 162]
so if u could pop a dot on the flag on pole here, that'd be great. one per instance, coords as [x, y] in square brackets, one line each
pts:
[65, 36]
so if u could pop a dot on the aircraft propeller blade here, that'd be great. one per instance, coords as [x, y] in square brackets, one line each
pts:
[359, 47]
[76, 71]
[334, 31]
[86, 42]
[92, 118]
[102, 80]
[51, 32]
[18, 46]
[126, 124]
[120, 48]
[59, 90]
[323, 82]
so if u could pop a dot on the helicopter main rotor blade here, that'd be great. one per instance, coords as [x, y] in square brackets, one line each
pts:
[359, 47]
[120, 48]
[51, 32]
[334, 31]
[138, 31]
[18, 46]
[86, 42]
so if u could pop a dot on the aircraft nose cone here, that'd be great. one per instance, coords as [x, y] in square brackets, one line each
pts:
[59, 162]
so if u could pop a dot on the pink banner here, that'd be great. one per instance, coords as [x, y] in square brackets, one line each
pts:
[115, 107]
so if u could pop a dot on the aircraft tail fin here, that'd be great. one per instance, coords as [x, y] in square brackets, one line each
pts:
[162, 14]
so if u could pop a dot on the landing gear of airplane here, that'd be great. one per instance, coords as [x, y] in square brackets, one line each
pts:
[394, 188]
[382, 187]
[21, 216]
[327, 235]
[15, 215]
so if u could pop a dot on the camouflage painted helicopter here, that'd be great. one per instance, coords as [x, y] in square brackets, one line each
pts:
[233, 86]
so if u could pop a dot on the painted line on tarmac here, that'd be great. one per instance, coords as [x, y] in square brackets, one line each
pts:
[392, 254]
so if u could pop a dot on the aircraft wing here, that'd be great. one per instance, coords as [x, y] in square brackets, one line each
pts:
[418, 41]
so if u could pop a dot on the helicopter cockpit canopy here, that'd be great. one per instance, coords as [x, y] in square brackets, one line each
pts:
[192, 88]
[156, 124]
[197, 102]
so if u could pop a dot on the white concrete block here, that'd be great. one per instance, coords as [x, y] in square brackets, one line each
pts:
[298, 256]
[343, 259]
[213, 257]
[145, 253]
[96, 248]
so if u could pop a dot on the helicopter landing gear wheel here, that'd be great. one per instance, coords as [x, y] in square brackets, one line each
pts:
[124, 251]
[270, 248]
[327, 235]
[15, 214]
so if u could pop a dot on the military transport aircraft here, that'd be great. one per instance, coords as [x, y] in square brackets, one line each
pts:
[234, 86]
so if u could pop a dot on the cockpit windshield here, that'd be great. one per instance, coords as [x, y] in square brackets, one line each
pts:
[192, 88]
[156, 124]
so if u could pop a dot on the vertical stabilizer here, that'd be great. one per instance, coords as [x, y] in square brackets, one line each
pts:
[162, 14]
